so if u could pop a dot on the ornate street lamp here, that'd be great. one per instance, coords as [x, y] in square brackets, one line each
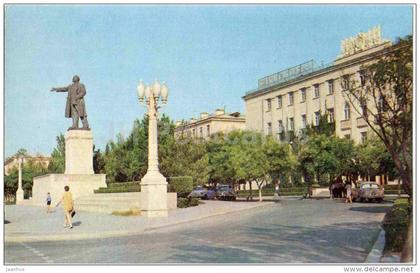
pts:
[19, 192]
[153, 184]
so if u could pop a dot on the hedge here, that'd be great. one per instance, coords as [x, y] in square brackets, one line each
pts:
[114, 189]
[182, 185]
[395, 225]
[187, 202]
[123, 184]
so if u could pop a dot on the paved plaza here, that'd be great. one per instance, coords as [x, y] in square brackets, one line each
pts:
[290, 231]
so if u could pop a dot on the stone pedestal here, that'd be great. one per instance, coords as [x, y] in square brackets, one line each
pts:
[79, 175]
[154, 195]
[79, 152]
[80, 185]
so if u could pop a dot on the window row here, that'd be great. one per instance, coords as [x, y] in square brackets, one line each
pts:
[290, 126]
[303, 92]
[345, 85]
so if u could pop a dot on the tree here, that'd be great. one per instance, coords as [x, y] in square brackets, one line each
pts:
[30, 169]
[384, 98]
[280, 159]
[57, 163]
[373, 158]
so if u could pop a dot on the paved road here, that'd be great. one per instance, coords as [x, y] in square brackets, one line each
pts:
[293, 231]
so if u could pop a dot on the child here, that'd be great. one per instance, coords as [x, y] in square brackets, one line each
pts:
[48, 203]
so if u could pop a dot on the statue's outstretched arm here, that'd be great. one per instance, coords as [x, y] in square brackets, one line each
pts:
[60, 89]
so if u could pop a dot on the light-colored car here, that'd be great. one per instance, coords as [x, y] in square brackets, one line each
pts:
[203, 193]
[368, 191]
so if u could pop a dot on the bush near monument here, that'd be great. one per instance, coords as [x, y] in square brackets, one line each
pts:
[182, 185]
[187, 202]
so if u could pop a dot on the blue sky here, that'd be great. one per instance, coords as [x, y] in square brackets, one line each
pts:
[208, 55]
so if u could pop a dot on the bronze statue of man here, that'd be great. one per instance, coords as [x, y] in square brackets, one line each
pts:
[75, 106]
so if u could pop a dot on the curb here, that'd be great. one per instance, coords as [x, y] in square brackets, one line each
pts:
[109, 234]
[375, 253]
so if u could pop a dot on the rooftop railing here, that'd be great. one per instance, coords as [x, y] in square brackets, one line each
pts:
[289, 74]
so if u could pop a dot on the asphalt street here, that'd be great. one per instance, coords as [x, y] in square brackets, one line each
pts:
[291, 231]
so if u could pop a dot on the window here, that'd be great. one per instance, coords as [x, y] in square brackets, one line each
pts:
[269, 131]
[201, 131]
[281, 130]
[303, 121]
[347, 136]
[317, 118]
[303, 92]
[331, 87]
[346, 111]
[345, 83]
[363, 136]
[363, 108]
[362, 75]
[279, 102]
[193, 132]
[208, 130]
[331, 115]
[269, 105]
[381, 105]
[290, 98]
[291, 124]
[316, 91]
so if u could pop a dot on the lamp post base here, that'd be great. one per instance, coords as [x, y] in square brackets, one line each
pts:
[19, 196]
[154, 197]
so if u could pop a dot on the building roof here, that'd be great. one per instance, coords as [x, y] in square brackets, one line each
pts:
[310, 69]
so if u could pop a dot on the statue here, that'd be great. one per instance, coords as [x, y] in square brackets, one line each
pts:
[75, 106]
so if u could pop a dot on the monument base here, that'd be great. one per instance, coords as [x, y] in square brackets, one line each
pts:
[80, 185]
[154, 195]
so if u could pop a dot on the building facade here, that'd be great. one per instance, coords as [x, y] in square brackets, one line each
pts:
[290, 100]
[12, 162]
[209, 124]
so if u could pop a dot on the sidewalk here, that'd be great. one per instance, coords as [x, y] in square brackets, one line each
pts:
[29, 224]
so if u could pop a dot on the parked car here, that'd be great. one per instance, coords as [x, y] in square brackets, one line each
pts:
[368, 191]
[225, 192]
[203, 193]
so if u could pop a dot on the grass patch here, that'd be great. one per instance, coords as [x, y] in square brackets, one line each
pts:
[395, 224]
[130, 212]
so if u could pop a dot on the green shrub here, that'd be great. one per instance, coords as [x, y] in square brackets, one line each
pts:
[114, 189]
[187, 202]
[182, 202]
[182, 185]
[123, 184]
[395, 225]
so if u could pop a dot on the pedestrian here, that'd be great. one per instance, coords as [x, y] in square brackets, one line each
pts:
[48, 202]
[67, 201]
[348, 193]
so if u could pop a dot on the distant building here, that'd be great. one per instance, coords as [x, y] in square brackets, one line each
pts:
[207, 124]
[285, 103]
[12, 162]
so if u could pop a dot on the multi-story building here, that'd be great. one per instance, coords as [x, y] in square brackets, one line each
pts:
[292, 99]
[12, 162]
[209, 124]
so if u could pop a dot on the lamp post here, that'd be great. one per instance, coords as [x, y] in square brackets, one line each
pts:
[19, 192]
[153, 201]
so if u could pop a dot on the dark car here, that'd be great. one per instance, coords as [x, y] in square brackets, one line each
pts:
[225, 192]
[368, 191]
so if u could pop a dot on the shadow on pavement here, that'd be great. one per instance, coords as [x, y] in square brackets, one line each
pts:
[338, 243]
[77, 223]
[371, 209]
